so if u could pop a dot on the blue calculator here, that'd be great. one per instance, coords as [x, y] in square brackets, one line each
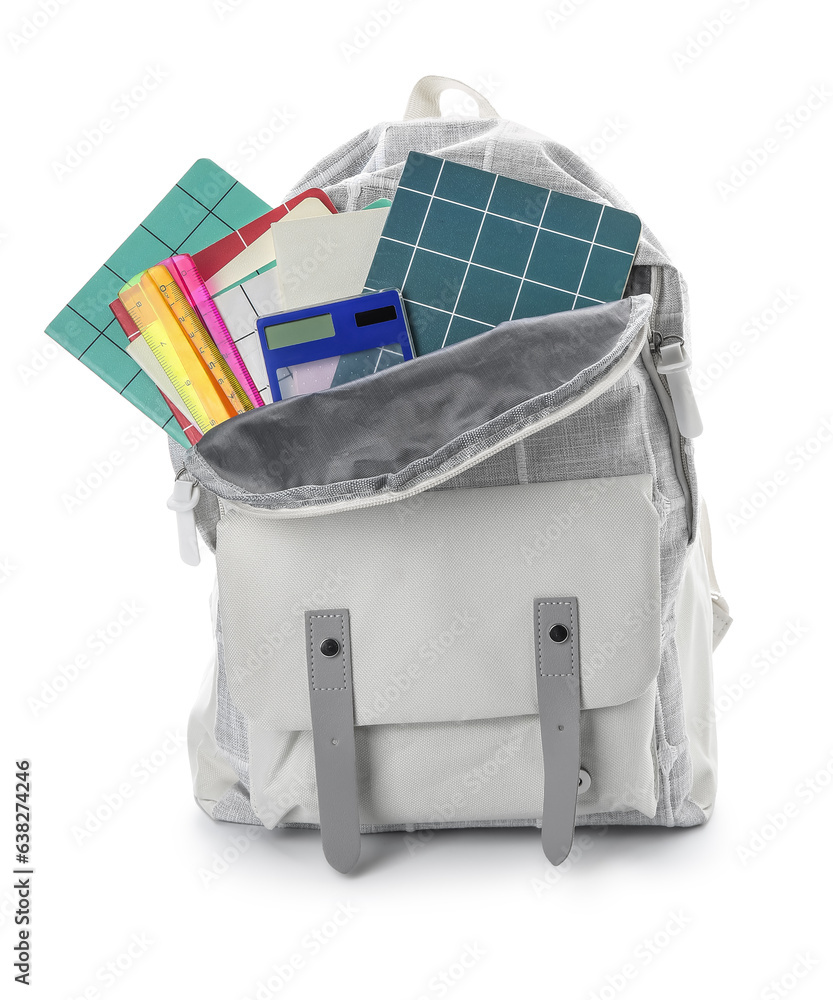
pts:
[359, 336]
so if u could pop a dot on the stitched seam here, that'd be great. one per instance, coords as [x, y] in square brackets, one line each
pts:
[542, 604]
[312, 655]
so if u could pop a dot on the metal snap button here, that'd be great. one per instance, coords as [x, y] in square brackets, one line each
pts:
[584, 781]
[330, 647]
[559, 633]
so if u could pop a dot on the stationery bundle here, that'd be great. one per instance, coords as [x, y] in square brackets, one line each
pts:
[274, 308]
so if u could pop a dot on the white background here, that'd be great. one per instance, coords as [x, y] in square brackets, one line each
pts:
[683, 125]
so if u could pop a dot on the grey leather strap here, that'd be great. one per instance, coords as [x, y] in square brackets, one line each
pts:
[557, 672]
[331, 708]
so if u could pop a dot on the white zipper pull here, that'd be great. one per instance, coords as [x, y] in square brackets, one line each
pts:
[183, 500]
[674, 364]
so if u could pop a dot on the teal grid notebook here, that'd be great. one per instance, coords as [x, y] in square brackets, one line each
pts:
[205, 205]
[470, 249]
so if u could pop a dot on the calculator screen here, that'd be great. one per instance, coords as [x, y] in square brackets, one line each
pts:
[299, 331]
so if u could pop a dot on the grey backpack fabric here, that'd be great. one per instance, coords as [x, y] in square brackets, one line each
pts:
[503, 543]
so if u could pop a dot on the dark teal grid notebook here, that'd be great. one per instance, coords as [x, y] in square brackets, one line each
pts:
[205, 205]
[470, 249]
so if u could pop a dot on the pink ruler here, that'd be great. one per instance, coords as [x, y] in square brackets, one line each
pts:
[193, 287]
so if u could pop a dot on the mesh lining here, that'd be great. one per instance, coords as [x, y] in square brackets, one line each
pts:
[407, 424]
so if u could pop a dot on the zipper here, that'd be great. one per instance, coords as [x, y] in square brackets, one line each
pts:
[682, 412]
[674, 363]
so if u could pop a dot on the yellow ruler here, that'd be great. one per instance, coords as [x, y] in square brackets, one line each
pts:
[173, 349]
[200, 338]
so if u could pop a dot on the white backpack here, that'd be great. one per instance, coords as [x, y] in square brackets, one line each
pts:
[474, 589]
